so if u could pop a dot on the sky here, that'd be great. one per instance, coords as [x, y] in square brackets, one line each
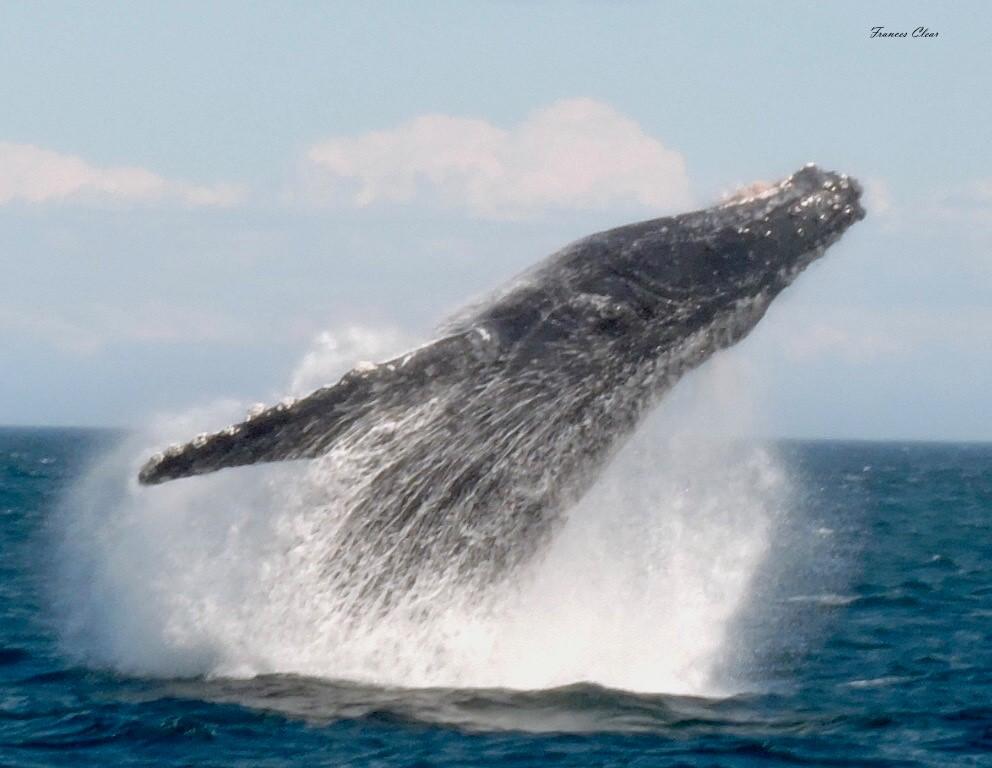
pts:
[194, 196]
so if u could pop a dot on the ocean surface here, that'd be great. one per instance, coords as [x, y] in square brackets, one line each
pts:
[859, 633]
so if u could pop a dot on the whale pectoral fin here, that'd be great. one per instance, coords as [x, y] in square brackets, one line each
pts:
[300, 430]
[308, 427]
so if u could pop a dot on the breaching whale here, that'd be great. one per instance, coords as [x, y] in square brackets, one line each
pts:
[469, 448]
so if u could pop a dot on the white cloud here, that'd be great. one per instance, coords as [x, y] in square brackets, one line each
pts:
[576, 153]
[30, 174]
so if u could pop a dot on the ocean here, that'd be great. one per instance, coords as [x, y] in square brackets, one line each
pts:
[831, 605]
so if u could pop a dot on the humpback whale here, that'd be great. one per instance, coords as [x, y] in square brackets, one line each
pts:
[464, 453]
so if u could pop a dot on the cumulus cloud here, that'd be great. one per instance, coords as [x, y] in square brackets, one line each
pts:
[575, 153]
[30, 174]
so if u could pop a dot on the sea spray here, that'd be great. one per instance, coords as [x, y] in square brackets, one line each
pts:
[229, 574]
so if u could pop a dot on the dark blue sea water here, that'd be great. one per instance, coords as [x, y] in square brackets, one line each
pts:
[875, 650]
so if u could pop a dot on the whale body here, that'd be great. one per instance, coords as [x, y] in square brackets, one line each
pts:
[465, 452]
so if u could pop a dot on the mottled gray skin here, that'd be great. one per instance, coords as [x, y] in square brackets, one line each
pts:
[477, 442]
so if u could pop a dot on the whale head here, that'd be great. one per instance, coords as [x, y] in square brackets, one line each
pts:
[645, 288]
[710, 275]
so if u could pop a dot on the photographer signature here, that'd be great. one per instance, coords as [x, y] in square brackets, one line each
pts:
[918, 32]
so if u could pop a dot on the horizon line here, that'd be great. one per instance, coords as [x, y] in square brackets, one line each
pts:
[760, 438]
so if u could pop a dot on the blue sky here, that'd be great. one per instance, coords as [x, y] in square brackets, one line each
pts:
[191, 193]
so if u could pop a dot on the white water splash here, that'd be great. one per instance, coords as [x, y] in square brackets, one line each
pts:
[334, 353]
[226, 574]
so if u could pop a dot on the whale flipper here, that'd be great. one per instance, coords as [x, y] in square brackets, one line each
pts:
[308, 427]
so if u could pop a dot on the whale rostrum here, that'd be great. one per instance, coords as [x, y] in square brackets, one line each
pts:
[485, 436]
